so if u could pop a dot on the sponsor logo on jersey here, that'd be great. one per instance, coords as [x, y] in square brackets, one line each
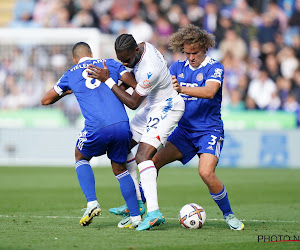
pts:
[218, 73]
[212, 61]
[181, 75]
[149, 74]
[146, 84]
[210, 148]
[199, 77]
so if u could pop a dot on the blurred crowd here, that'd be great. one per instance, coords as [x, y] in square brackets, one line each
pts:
[258, 42]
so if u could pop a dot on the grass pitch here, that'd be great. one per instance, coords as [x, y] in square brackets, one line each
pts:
[41, 208]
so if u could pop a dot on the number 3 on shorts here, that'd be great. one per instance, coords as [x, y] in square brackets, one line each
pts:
[213, 140]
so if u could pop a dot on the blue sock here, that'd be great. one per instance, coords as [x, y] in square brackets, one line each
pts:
[222, 200]
[86, 179]
[142, 192]
[128, 191]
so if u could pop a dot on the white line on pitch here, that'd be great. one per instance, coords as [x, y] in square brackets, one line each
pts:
[103, 217]
[270, 221]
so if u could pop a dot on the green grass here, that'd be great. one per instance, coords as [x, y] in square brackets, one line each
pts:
[41, 207]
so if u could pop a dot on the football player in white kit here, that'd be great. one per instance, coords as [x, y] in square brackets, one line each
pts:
[153, 123]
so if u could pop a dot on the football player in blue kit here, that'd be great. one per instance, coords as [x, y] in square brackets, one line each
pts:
[199, 80]
[106, 128]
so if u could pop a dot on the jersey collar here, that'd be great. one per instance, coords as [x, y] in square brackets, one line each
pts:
[203, 64]
[84, 59]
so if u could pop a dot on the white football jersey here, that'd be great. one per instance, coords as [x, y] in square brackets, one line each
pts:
[153, 76]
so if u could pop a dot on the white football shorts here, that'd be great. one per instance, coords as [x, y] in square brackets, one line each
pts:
[153, 124]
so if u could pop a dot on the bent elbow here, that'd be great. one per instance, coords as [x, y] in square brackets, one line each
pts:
[133, 106]
[211, 95]
[45, 102]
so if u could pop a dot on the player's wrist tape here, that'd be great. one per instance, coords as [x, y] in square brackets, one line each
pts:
[110, 82]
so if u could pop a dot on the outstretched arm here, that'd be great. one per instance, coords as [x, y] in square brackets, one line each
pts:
[207, 92]
[52, 97]
[131, 101]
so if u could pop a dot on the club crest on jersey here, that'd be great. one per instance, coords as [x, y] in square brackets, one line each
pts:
[199, 77]
[218, 73]
[149, 74]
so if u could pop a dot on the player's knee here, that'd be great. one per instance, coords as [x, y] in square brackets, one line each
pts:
[158, 161]
[118, 169]
[206, 175]
[145, 153]
[141, 157]
[79, 156]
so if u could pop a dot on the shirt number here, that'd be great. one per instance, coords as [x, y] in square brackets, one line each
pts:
[90, 83]
[153, 122]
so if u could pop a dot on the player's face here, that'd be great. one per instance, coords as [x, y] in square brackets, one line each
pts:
[128, 58]
[194, 54]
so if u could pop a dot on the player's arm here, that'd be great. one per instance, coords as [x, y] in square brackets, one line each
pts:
[128, 80]
[131, 101]
[52, 96]
[207, 92]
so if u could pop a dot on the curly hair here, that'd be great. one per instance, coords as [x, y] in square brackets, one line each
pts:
[191, 34]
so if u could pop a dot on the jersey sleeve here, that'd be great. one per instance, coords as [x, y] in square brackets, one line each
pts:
[146, 81]
[216, 73]
[173, 69]
[62, 84]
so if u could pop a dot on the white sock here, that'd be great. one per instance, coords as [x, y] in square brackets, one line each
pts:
[131, 167]
[135, 218]
[148, 175]
[92, 203]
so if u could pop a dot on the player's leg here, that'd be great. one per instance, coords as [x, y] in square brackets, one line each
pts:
[137, 125]
[148, 176]
[86, 181]
[123, 210]
[161, 120]
[206, 168]
[166, 155]
[128, 191]
[211, 147]
[131, 166]
[118, 154]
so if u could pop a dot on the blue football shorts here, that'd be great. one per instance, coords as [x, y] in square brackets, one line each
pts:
[192, 143]
[114, 140]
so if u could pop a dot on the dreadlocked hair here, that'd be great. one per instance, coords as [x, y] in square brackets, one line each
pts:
[125, 42]
[191, 34]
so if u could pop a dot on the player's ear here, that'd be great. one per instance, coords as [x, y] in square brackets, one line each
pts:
[74, 60]
[92, 55]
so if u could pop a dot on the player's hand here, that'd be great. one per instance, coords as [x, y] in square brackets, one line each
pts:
[176, 85]
[98, 73]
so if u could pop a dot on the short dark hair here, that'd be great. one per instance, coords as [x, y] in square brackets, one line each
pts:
[125, 42]
[81, 49]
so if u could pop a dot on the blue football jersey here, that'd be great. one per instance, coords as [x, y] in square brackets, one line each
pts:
[99, 105]
[200, 114]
